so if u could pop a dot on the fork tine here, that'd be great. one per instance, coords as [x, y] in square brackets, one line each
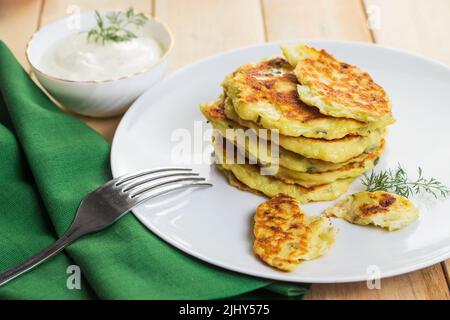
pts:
[150, 186]
[147, 195]
[130, 176]
[136, 182]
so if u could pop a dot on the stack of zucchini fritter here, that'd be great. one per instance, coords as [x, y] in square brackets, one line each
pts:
[330, 118]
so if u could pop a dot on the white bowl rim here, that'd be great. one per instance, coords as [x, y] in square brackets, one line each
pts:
[147, 69]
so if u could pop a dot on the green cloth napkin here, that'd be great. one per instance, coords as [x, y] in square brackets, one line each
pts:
[49, 161]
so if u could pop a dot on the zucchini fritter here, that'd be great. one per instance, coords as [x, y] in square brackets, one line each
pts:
[266, 94]
[379, 208]
[214, 113]
[251, 179]
[350, 170]
[335, 151]
[337, 88]
[284, 235]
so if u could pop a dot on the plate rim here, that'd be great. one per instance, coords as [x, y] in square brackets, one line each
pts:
[282, 277]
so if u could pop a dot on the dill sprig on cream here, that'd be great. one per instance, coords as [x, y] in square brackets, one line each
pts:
[397, 181]
[112, 27]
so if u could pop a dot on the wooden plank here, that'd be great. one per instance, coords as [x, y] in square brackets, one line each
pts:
[319, 19]
[424, 285]
[446, 267]
[205, 27]
[328, 19]
[414, 25]
[18, 15]
[54, 9]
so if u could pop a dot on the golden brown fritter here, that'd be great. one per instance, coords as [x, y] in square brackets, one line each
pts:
[251, 178]
[379, 208]
[284, 235]
[266, 94]
[214, 113]
[335, 151]
[350, 170]
[337, 88]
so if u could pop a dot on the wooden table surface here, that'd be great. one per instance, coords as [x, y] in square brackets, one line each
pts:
[205, 27]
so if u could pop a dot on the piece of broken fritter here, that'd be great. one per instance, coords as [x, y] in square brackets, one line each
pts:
[284, 235]
[379, 208]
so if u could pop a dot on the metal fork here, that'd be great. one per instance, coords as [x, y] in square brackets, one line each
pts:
[102, 207]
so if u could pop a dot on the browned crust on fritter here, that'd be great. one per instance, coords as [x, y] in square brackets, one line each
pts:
[385, 202]
[218, 112]
[280, 232]
[356, 88]
[266, 86]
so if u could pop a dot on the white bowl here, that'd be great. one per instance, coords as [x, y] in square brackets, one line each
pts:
[100, 98]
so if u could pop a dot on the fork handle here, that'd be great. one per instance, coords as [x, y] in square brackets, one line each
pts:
[37, 259]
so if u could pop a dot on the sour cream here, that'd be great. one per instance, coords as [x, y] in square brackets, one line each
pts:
[74, 58]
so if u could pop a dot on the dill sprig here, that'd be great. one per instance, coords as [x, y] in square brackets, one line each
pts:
[397, 181]
[112, 27]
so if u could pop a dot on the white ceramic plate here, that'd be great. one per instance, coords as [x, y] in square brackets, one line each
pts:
[215, 224]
